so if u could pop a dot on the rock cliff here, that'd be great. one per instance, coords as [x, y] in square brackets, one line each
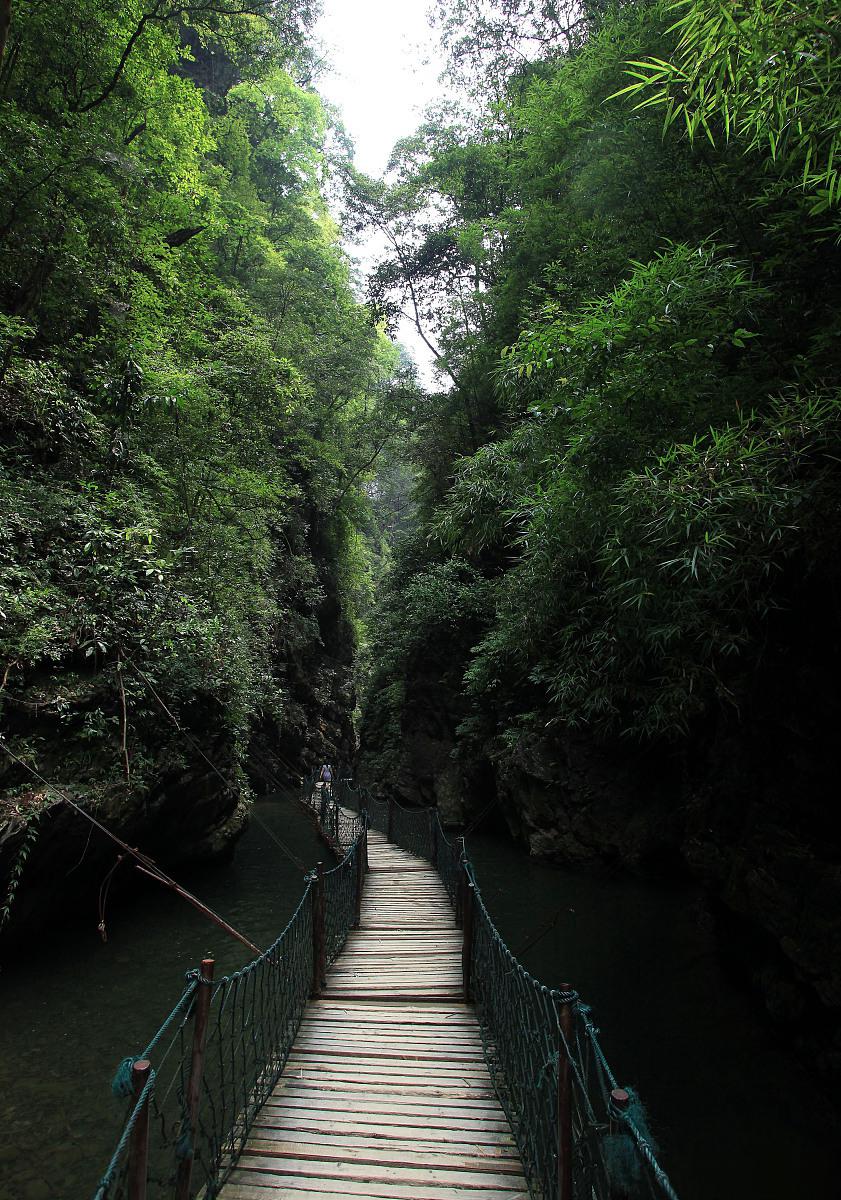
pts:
[745, 805]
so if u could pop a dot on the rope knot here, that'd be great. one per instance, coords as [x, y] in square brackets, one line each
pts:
[184, 1145]
[121, 1084]
[550, 1064]
[585, 1011]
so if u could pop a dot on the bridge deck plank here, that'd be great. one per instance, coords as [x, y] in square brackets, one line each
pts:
[386, 1094]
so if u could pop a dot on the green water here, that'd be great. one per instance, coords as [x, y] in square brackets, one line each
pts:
[736, 1114]
[67, 1017]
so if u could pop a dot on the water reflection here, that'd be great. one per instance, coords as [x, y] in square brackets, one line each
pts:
[736, 1114]
[73, 1012]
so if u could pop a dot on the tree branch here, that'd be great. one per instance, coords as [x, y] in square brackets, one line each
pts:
[123, 721]
[5, 22]
[121, 65]
[187, 11]
[416, 320]
[368, 463]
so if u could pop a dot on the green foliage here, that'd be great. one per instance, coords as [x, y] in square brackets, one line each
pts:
[629, 615]
[639, 366]
[765, 72]
[637, 458]
[29, 819]
[192, 400]
[429, 613]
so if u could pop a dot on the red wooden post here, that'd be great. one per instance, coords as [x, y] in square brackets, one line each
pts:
[390, 825]
[201, 1014]
[621, 1100]
[319, 948]
[564, 1101]
[138, 1162]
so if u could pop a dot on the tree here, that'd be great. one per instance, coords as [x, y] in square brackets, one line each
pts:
[646, 342]
[192, 399]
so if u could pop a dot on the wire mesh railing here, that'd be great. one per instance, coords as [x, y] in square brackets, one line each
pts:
[342, 893]
[193, 1093]
[580, 1136]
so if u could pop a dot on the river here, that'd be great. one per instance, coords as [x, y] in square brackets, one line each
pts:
[71, 1013]
[736, 1115]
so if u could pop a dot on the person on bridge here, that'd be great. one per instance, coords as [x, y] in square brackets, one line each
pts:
[325, 775]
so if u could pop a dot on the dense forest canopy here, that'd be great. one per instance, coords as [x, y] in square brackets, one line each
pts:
[617, 232]
[622, 240]
[192, 398]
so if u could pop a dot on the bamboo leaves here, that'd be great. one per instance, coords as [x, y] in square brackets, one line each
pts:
[766, 73]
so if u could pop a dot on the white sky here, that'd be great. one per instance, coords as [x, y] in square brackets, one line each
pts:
[384, 73]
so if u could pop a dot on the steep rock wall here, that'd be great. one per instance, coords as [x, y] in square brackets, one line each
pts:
[190, 800]
[745, 805]
[53, 861]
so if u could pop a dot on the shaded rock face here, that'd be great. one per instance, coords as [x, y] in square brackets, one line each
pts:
[319, 682]
[420, 766]
[428, 775]
[191, 814]
[577, 802]
[180, 808]
[318, 727]
[746, 806]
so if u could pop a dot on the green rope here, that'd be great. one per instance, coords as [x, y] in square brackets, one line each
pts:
[255, 1013]
[519, 1017]
[121, 1084]
[105, 1187]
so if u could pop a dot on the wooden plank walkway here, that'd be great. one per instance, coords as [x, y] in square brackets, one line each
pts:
[386, 1093]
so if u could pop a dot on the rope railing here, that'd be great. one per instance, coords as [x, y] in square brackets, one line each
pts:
[580, 1136]
[338, 827]
[195, 1090]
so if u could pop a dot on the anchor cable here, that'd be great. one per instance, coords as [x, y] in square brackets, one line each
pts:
[290, 854]
[143, 863]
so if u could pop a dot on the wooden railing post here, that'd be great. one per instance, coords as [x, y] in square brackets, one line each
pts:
[620, 1100]
[201, 1014]
[319, 944]
[467, 915]
[433, 838]
[390, 824]
[367, 865]
[138, 1162]
[333, 810]
[462, 885]
[360, 878]
[564, 1101]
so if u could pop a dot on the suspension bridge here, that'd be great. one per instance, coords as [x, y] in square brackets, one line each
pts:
[387, 1045]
